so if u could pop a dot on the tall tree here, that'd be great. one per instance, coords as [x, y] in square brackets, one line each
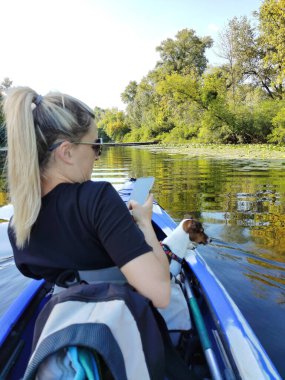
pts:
[272, 38]
[237, 46]
[128, 96]
[240, 46]
[142, 106]
[185, 54]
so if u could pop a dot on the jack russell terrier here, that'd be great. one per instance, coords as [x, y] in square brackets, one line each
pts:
[186, 235]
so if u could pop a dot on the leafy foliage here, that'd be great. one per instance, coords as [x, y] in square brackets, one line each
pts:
[272, 39]
[185, 54]
[278, 121]
[112, 124]
[6, 83]
[182, 99]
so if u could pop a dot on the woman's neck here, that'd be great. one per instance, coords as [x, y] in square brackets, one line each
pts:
[50, 180]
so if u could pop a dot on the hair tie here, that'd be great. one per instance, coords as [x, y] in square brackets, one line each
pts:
[38, 100]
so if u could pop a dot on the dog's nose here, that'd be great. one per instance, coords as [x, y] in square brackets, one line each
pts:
[209, 240]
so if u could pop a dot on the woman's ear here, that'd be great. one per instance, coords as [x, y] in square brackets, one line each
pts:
[64, 152]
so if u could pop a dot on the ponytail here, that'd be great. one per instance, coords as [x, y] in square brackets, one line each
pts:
[33, 124]
[23, 165]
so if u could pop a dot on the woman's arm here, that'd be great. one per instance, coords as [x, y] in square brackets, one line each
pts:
[149, 273]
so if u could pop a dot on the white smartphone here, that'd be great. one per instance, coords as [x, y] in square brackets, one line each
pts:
[141, 189]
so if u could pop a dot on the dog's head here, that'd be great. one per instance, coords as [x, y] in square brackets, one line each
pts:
[195, 231]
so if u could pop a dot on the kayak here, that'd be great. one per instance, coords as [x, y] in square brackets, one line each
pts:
[221, 343]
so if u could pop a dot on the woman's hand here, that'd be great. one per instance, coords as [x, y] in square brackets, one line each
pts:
[142, 213]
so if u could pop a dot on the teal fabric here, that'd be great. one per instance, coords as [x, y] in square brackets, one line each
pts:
[87, 361]
[73, 355]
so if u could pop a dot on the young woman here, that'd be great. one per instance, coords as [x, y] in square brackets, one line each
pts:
[62, 220]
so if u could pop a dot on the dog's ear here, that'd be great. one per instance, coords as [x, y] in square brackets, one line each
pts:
[188, 216]
[187, 224]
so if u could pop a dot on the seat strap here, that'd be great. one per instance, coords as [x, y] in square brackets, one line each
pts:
[70, 278]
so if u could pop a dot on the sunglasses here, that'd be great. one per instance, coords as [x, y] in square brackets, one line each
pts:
[96, 145]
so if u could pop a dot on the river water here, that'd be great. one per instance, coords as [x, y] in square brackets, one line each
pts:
[240, 202]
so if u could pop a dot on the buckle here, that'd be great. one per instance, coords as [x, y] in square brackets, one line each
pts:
[68, 278]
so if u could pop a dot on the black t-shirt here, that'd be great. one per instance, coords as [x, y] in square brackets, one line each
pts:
[80, 226]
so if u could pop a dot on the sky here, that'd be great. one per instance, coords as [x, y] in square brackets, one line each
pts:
[92, 49]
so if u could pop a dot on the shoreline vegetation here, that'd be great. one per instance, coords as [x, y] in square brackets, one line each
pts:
[183, 98]
[222, 151]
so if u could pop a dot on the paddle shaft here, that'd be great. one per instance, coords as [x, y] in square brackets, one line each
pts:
[203, 333]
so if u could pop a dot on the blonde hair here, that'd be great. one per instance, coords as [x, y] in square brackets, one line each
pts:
[33, 124]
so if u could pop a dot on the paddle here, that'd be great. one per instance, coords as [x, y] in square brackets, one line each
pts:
[203, 334]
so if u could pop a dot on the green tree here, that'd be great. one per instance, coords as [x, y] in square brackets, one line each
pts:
[278, 122]
[113, 124]
[237, 46]
[99, 114]
[217, 120]
[185, 54]
[180, 100]
[154, 107]
[272, 39]
[143, 108]
[5, 84]
[240, 46]
[128, 96]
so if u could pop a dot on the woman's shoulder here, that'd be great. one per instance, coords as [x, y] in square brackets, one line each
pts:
[94, 185]
[95, 188]
[84, 195]
[69, 189]
[92, 192]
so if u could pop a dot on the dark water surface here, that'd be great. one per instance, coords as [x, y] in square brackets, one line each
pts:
[240, 202]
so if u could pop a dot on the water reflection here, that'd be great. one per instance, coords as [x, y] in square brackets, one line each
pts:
[241, 203]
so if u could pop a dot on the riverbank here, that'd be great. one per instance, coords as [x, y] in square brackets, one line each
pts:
[243, 151]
